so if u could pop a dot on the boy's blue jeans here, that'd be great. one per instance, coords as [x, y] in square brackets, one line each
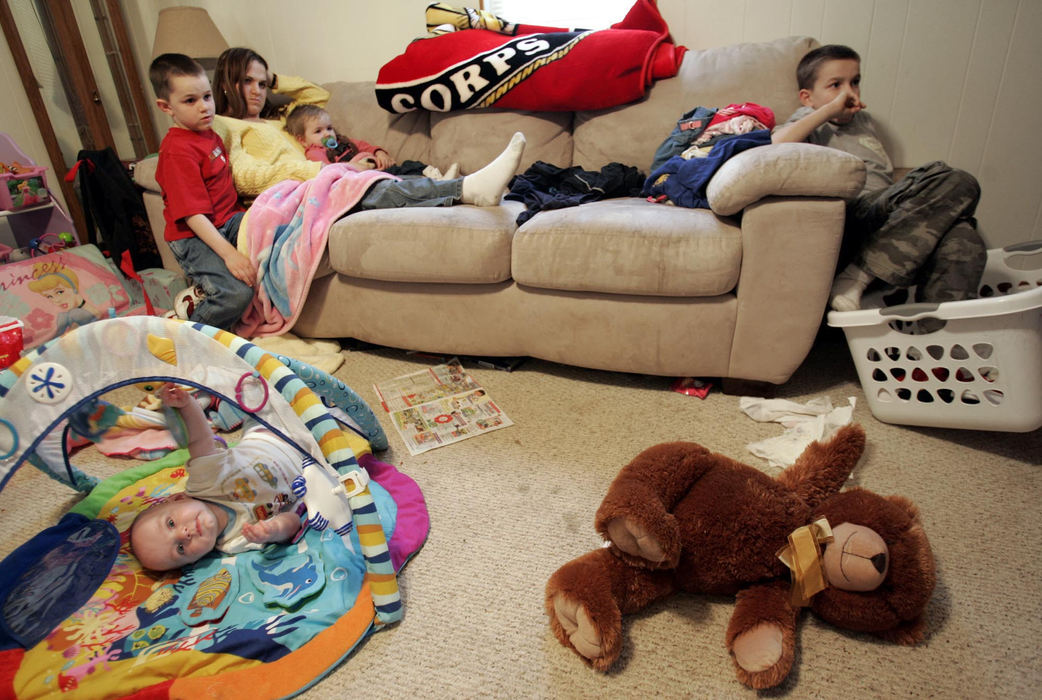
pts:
[412, 192]
[226, 296]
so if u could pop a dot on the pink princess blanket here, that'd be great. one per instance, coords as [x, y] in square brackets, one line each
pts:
[286, 232]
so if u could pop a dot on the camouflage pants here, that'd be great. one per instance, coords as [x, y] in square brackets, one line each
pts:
[921, 231]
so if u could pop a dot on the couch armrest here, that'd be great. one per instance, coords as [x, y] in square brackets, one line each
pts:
[784, 170]
[789, 251]
[145, 178]
[145, 173]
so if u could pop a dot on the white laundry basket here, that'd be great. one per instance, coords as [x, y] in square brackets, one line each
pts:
[982, 370]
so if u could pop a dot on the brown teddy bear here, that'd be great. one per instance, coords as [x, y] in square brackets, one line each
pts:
[681, 518]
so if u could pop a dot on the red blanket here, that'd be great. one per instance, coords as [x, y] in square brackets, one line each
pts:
[539, 68]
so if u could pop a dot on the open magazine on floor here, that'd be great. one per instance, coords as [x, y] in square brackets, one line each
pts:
[439, 406]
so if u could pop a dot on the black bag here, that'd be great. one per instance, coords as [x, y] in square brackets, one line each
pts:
[112, 205]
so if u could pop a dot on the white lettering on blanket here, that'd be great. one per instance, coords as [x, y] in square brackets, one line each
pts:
[481, 80]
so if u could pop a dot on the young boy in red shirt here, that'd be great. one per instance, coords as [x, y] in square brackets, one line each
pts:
[201, 206]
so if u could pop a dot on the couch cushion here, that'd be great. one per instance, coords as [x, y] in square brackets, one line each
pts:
[474, 137]
[460, 244]
[764, 73]
[354, 112]
[629, 246]
[145, 173]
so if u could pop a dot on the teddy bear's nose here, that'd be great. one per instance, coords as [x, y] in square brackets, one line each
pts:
[879, 562]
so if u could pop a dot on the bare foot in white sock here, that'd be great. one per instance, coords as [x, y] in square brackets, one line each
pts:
[485, 187]
[848, 287]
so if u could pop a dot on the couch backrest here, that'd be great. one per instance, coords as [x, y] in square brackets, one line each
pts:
[764, 73]
[354, 112]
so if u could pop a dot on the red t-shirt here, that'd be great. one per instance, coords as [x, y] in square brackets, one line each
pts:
[196, 178]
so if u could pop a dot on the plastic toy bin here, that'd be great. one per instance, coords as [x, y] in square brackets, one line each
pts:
[981, 369]
[24, 189]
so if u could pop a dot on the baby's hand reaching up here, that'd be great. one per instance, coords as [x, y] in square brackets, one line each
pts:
[173, 395]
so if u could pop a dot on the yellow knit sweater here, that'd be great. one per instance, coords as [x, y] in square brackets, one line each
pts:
[263, 153]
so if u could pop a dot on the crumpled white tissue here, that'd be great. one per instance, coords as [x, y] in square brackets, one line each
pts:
[804, 423]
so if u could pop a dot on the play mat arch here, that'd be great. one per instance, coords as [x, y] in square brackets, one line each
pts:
[80, 616]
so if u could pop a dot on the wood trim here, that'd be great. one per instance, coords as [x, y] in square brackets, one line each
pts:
[126, 76]
[50, 140]
[59, 21]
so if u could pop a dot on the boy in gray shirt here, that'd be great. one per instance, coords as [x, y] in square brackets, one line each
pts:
[919, 230]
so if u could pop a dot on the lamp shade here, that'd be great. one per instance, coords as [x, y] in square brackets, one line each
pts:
[188, 30]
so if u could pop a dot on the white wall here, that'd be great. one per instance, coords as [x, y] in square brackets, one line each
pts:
[954, 80]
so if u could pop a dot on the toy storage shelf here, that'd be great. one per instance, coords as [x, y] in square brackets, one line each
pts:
[33, 222]
[8, 212]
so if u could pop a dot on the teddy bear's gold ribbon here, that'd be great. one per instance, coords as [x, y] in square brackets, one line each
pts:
[803, 556]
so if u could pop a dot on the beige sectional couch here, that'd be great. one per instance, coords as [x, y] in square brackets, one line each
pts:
[735, 292]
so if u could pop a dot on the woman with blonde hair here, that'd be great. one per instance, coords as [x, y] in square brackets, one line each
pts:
[262, 153]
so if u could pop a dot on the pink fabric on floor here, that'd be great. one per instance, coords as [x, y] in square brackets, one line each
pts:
[414, 522]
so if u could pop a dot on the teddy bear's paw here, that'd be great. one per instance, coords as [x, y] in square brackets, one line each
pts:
[633, 539]
[582, 633]
[758, 649]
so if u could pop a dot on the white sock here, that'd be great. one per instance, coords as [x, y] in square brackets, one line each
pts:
[452, 172]
[848, 287]
[485, 187]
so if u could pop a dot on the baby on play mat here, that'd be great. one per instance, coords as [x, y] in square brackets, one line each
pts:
[236, 499]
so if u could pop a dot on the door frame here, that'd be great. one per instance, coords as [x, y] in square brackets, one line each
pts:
[70, 56]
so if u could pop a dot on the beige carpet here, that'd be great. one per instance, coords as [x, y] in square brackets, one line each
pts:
[509, 507]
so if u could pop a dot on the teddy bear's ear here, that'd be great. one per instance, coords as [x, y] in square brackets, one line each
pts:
[907, 506]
